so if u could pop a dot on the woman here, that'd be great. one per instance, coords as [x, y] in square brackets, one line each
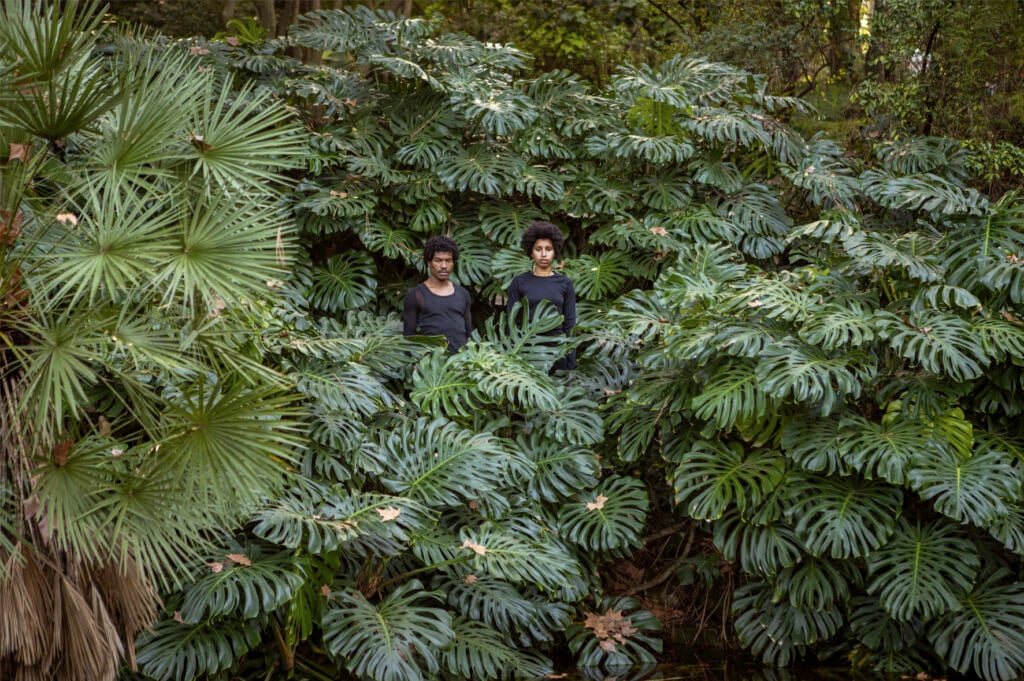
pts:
[543, 242]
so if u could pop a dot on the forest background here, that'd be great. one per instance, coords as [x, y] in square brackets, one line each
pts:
[795, 232]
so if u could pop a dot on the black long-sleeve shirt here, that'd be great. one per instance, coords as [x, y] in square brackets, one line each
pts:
[559, 291]
[429, 314]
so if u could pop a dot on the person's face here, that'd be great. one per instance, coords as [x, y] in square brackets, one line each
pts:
[543, 253]
[441, 265]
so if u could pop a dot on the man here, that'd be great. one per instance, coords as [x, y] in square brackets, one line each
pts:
[437, 307]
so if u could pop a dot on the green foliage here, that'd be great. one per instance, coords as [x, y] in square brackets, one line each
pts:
[820, 355]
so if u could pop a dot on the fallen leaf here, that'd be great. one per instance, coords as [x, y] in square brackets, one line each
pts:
[198, 50]
[239, 558]
[660, 231]
[470, 579]
[340, 195]
[597, 504]
[477, 548]
[19, 151]
[325, 590]
[216, 567]
[607, 646]
[389, 513]
[116, 452]
[178, 618]
[67, 218]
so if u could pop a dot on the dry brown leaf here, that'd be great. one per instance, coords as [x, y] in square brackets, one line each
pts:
[239, 558]
[477, 548]
[178, 618]
[61, 451]
[470, 579]
[67, 219]
[607, 646]
[660, 231]
[597, 504]
[216, 567]
[325, 590]
[389, 513]
[19, 151]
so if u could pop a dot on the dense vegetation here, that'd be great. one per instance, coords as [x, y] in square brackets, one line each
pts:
[798, 369]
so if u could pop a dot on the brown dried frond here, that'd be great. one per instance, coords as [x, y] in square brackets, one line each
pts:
[129, 596]
[88, 652]
[24, 591]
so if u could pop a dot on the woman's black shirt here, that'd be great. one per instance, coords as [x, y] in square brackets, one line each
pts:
[557, 289]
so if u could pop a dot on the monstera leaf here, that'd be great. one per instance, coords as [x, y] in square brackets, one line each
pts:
[609, 518]
[924, 570]
[347, 281]
[776, 631]
[818, 583]
[561, 470]
[397, 639]
[883, 449]
[732, 394]
[986, 635]
[843, 517]
[243, 584]
[713, 476]
[802, 372]
[439, 462]
[761, 548]
[173, 650]
[971, 489]
[480, 652]
[813, 444]
[618, 633]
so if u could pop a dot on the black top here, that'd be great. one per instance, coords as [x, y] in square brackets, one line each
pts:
[428, 314]
[557, 289]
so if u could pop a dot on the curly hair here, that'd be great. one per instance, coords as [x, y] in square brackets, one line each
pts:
[543, 230]
[440, 244]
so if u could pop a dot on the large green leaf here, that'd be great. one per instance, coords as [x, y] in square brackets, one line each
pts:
[732, 394]
[438, 462]
[173, 650]
[713, 477]
[795, 370]
[519, 559]
[986, 635]
[561, 470]
[245, 584]
[398, 639]
[775, 630]
[940, 342]
[609, 518]
[347, 281]
[321, 520]
[619, 634]
[843, 517]
[971, 489]
[924, 569]
[884, 449]
[761, 548]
